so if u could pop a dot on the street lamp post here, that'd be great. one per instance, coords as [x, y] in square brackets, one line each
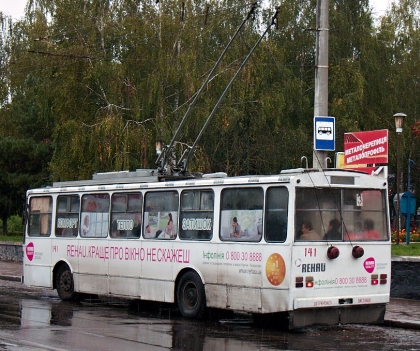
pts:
[399, 122]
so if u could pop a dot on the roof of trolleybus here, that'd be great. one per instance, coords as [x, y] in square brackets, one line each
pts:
[299, 176]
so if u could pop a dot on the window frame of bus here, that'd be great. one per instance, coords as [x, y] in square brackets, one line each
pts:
[40, 214]
[128, 213]
[229, 211]
[320, 206]
[365, 215]
[156, 203]
[69, 212]
[98, 217]
[198, 206]
[341, 213]
[276, 214]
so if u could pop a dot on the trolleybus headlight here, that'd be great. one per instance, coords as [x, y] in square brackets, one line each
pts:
[374, 279]
[357, 252]
[333, 252]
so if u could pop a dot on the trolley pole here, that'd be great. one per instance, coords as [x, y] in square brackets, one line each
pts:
[321, 74]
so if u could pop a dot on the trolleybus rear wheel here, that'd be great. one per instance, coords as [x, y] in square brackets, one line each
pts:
[65, 283]
[191, 296]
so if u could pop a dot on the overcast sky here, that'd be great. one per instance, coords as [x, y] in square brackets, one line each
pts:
[16, 8]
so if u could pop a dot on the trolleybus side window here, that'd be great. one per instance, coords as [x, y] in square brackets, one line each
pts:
[277, 200]
[241, 214]
[364, 215]
[67, 217]
[161, 215]
[126, 215]
[316, 211]
[196, 217]
[40, 216]
[95, 216]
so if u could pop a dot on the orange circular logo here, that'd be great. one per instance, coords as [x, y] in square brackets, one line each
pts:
[275, 269]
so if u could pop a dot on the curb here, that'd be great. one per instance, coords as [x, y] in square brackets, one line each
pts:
[407, 324]
[12, 278]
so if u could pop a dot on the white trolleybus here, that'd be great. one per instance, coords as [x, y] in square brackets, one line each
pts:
[312, 245]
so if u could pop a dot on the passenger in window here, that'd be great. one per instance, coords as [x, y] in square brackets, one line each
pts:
[308, 233]
[333, 232]
[369, 232]
[236, 228]
[169, 229]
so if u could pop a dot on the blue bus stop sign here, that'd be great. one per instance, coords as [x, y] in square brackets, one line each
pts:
[324, 133]
[408, 203]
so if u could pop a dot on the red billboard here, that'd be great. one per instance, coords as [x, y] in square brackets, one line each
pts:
[366, 147]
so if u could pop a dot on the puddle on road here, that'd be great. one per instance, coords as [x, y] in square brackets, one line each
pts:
[161, 326]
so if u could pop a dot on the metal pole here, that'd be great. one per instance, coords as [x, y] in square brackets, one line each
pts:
[321, 74]
[408, 214]
[398, 188]
[408, 175]
[407, 219]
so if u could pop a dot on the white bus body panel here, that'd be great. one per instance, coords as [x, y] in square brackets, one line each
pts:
[37, 262]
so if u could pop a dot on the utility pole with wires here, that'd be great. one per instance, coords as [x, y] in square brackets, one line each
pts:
[321, 74]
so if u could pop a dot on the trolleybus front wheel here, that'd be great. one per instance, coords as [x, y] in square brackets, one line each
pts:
[191, 296]
[65, 284]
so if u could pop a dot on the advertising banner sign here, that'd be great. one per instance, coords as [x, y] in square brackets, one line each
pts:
[366, 147]
[339, 163]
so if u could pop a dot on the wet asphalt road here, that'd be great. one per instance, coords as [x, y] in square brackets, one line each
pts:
[36, 319]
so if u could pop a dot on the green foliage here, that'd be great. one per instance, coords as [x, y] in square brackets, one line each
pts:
[14, 224]
[14, 229]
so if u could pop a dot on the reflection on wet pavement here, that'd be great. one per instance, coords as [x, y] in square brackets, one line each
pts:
[37, 321]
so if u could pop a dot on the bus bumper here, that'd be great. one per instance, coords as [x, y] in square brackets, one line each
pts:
[348, 314]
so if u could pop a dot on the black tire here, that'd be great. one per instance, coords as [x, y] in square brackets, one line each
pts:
[65, 284]
[191, 296]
